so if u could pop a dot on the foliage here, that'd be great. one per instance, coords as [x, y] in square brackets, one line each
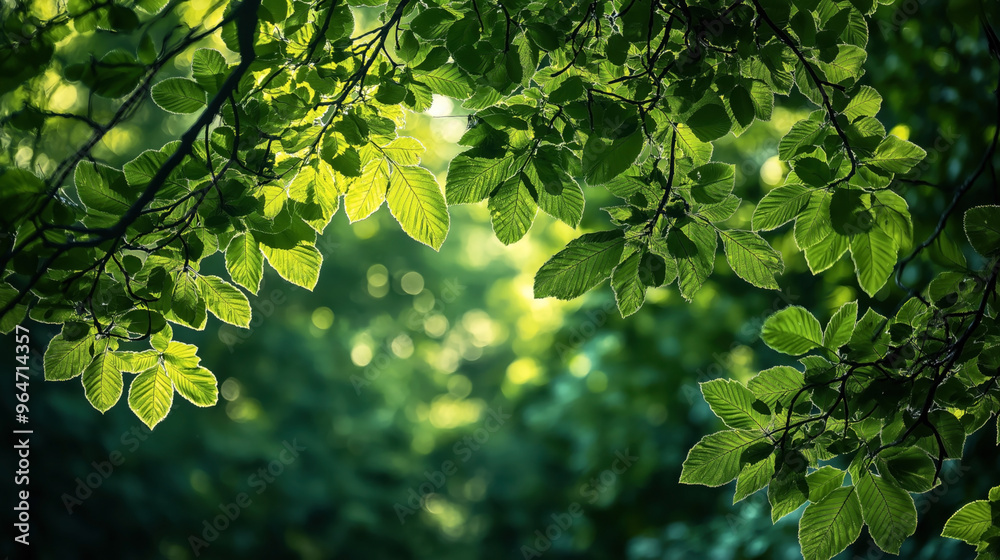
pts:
[628, 97]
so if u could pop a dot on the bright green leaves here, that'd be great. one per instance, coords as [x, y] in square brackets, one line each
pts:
[888, 511]
[186, 304]
[209, 69]
[416, 202]
[102, 381]
[793, 331]
[801, 138]
[896, 156]
[710, 122]
[603, 160]
[299, 263]
[583, 264]
[751, 258]
[176, 368]
[874, 256]
[982, 227]
[391, 175]
[734, 404]
[179, 95]
[780, 206]
[975, 524]
[776, 387]
[512, 209]
[225, 301]
[151, 395]
[103, 189]
[366, 193]
[719, 457]
[970, 523]
[69, 353]
[712, 183]
[446, 80]
[245, 262]
[472, 179]
[865, 103]
[828, 526]
[839, 329]
[693, 246]
[630, 293]
[193, 382]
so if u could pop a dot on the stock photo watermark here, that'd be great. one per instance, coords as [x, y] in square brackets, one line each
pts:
[463, 450]
[230, 511]
[591, 491]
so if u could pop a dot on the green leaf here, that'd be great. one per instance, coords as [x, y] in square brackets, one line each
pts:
[299, 265]
[66, 358]
[225, 301]
[567, 206]
[585, 262]
[432, 23]
[245, 262]
[780, 206]
[896, 156]
[827, 527]
[952, 434]
[603, 160]
[813, 222]
[630, 293]
[136, 362]
[776, 385]
[712, 182]
[209, 69]
[100, 188]
[847, 67]
[161, 340]
[982, 227]
[888, 511]
[102, 381]
[841, 326]
[733, 404]
[752, 258]
[15, 316]
[690, 146]
[753, 477]
[179, 95]
[788, 490]
[823, 481]
[417, 203]
[693, 245]
[196, 384]
[874, 256]
[793, 331]
[909, 467]
[742, 105]
[710, 122]
[186, 304]
[151, 395]
[827, 251]
[970, 523]
[404, 150]
[801, 137]
[472, 179]
[716, 459]
[813, 171]
[367, 192]
[446, 80]
[865, 103]
[512, 209]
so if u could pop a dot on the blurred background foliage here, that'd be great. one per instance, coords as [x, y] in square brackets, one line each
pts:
[402, 359]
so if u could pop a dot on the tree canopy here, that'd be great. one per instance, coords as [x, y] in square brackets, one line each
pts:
[278, 112]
